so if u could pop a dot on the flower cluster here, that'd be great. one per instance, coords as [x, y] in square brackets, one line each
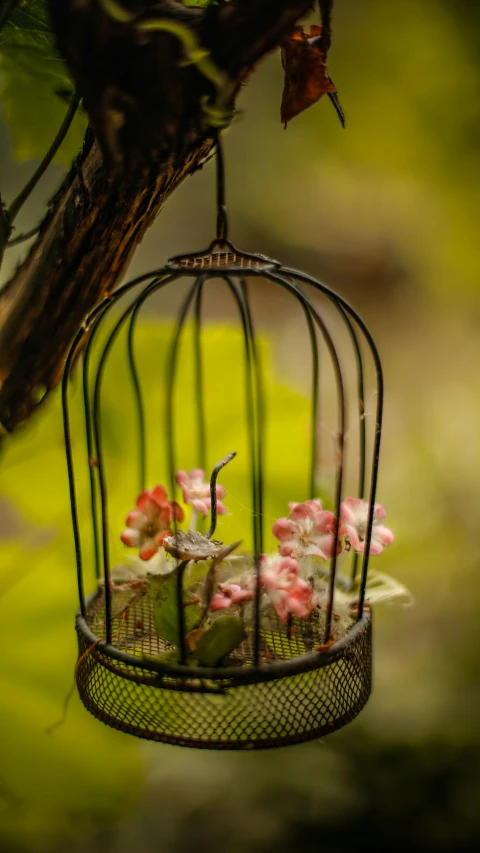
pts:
[288, 592]
[228, 595]
[308, 531]
[354, 514]
[149, 525]
[287, 581]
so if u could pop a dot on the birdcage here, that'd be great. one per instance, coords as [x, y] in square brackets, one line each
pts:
[220, 645]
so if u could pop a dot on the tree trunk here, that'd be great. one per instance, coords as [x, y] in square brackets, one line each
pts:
[150, 133]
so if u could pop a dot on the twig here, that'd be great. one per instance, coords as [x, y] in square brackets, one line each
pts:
[23, 195]
[66, 702]
[15, 241]
[63, 719]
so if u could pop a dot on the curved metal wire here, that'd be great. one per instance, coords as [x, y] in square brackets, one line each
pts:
[69, 448]
[91, 325]
[138, 397]
[255, 429]
[97, 431]
[314, 447]
[105, 304]
[199, 383]
[339, 302]
[260, 404]
[92, 462]
[170, 444]
[342, 419]
[362, 427]
[71, 482]
[361, 411]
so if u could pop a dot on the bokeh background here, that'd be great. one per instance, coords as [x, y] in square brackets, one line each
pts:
[386, 212]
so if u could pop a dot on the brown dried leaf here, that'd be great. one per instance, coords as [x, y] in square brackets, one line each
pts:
[306, 73]
[193, 638]
[324, 647]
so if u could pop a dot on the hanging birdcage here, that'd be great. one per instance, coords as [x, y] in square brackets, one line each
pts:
[220, 644]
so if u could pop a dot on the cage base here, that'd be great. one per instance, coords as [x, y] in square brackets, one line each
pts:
[221, 714]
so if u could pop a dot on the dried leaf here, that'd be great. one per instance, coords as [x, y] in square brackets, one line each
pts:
[193, 638]
[380, 588]
[324, 647]
[191, 545]
[306, 73]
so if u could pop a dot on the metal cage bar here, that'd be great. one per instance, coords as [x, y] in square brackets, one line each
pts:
[314, 449]
[170, 397]
[138, 397]
[341, 303]
[342, 416]
[255, 428]
[199, 384]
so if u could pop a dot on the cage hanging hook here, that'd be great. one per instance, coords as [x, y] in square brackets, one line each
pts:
[222, 218]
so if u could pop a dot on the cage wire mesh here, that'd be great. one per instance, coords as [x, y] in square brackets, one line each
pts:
[288, 679]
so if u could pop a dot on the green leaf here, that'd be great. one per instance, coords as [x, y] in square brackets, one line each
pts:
[32, 75]
[226, 633]
[165, 609]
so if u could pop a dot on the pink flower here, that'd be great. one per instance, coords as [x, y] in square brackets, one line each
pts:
[354, 514]
[228, 594]
[279, 576]
[149, 525]
[309, 530]
[197, 492]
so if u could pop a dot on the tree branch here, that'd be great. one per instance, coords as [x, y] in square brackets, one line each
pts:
[148, 119]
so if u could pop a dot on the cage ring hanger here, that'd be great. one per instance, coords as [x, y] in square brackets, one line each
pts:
[299, 665]
[221, 252]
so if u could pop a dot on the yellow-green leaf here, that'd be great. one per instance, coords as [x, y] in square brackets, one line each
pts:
[226, 633]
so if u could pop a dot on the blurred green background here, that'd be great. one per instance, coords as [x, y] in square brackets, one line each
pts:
[386, 212]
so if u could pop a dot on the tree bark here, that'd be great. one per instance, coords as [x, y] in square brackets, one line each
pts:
[150, 132]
